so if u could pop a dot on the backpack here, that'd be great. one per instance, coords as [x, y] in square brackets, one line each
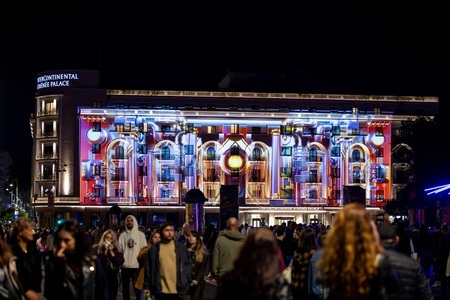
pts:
[10, 287]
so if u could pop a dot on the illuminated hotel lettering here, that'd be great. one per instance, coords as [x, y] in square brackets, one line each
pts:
[55, 80]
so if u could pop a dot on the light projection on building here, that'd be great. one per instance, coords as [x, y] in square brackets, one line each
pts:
[153, 157]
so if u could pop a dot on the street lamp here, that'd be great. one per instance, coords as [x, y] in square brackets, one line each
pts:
[11, 195]
[35, 196]
[15, 200]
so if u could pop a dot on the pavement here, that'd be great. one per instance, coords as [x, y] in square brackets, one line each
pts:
[208, 293]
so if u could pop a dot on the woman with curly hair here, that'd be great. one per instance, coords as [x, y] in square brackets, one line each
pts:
[199, 256]
[353, 264]
[256, 271]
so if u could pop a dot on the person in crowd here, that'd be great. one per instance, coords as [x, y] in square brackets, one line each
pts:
[296, 232]
[210, 237]
[199, 258]
[404, 243]
[168, 266]
[226, 249]
[184, 233]
[109, 252]
[425, 251]
[97, 233]
[154, 238]
[72, 271]
[10, 286]
[41, 244]
[50, 234]
[352, 264]
[280, 233]
[411, 276]
[255, 273]
[244, 229]
[287, 241]
[414, 235]
[307, 245]
[316, 289]
[440, 255]
[28, 260]
[132, 240]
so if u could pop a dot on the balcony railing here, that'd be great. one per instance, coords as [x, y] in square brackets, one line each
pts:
[46, 134]
[46, 156]
[51, 177]
[51, 112]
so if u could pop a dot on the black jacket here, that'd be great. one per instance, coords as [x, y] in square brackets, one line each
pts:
[410, 273]
[28, 267]
[152, 274]
[61, 282]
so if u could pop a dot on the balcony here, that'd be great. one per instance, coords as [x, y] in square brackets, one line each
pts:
[52, 112]
[40, 156]
[51, 177]
[52, 134]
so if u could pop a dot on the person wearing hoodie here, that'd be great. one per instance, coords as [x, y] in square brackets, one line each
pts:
[132, 240]
[226, 249]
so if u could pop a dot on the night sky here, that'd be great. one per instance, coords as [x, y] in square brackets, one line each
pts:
[344, 47]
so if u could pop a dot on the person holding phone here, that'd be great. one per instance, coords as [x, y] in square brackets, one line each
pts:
[110, 254]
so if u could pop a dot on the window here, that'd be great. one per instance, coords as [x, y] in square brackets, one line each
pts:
[119, 152]
[189, 149]
[96, 149]
[120, 174]
[47, 172]
[312, 155]
[256, 154]
[211, 153]
[97, 170]
[48, 129]
[286, 151]
[48, 151]
[142, 148]
[256, 130]
[119, 193]
[165, 153]
[96, 127]
[356, 155]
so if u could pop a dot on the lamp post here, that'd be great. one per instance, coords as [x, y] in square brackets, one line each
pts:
[11, 195]
[35, 196]
[15, 200]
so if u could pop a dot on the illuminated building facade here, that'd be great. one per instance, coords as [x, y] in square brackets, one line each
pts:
[292, 156]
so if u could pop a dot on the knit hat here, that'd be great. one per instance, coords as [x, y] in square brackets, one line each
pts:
[386, 231]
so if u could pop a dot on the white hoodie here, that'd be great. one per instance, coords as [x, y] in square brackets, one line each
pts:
[132, 241]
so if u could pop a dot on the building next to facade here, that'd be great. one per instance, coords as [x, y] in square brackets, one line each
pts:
[100, 154]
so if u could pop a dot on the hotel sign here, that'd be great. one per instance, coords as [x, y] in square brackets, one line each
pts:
[56, 80]
[60, 81]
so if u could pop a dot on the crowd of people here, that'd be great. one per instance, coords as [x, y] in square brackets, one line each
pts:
[353, 258]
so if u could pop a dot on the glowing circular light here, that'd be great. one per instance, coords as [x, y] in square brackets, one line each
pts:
[96, 137]
[235, 161]
[376, 140]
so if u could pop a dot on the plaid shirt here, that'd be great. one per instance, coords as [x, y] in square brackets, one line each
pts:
[299, 271]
